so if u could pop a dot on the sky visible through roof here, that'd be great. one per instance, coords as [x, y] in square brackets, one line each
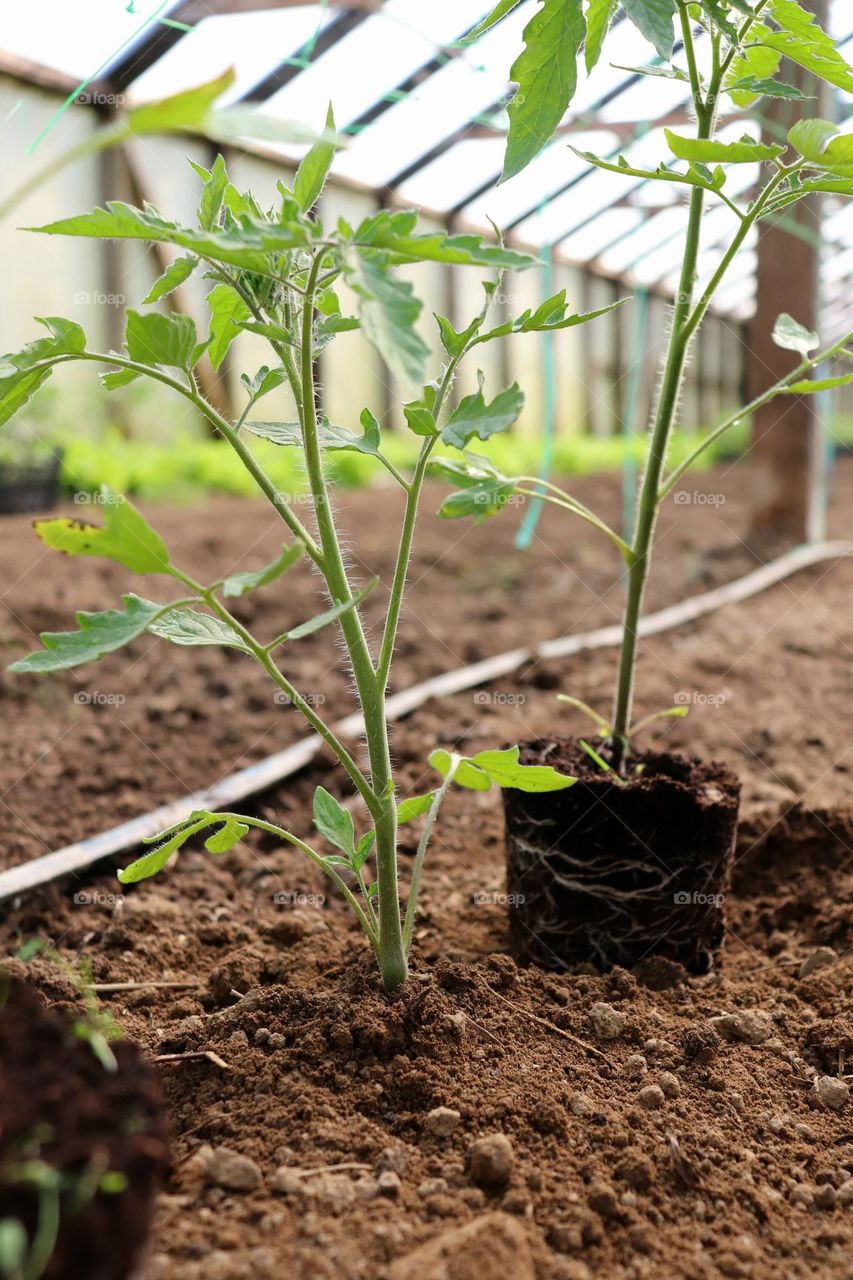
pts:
[425, 114]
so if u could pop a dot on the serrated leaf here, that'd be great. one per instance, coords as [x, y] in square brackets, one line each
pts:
[362, 850]
[17, 389]
[393, 233]
[791, 335]
[19, 381]
[264, 381]
[314, 168]
[708, 151]
[414, 806]
[150, 863]
[126, 537]
[155, 339]
[328, 435]
[546, 74]
[389, 309]
[213, 193]
[750, 88]
[503, 768]
[334, 822]
[481, 500]
[115, 378]
[188, 627]
[598, 19]
[804, 41]
[474, 417]
[654, 19]
[227, 311]
[174, 276]
[99, 634]
[188, 109]
[454, 341]
[824, 146]
[240, 584]
[224, 840]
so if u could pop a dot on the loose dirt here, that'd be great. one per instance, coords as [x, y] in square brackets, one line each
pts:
[655, 1124]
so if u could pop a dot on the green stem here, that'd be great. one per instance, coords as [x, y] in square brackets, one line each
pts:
[391, 952]
[673, 376]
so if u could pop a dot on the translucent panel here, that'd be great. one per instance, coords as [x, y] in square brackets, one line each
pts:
[81, 44]
[838, 226]
[838, 266]
[253, 43]
[550, 171]
[657, 230]
[587, 243]
[466, 87]
[455, 174]
[373, 59]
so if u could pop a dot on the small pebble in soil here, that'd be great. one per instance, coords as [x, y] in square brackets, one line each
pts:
[581, 1106]
[670, 1084]
[442, 1121]
[802, 1195]
[608, 1022]
[845, 1193]
[651, 1097]
[827, 1091]
[819, 959]
[389, 1184]
[232, 1171]
[636, 1066]
[491, 1160]
[747, 1026]
[825, 1197]
[602, 1200]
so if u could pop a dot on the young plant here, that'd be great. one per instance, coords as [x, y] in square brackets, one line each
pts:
[274, 273]
[733, 49]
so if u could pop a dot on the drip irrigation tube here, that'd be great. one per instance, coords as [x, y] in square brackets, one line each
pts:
[258, 777]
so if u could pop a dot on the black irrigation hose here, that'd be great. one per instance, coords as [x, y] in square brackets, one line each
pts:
[258, 777]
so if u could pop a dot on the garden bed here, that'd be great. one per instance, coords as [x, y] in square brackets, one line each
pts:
[657, 1145]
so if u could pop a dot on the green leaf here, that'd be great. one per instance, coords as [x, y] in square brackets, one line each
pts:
[314, 168]
[804, 41]
[467, 774]
[480, 500]
[174, 276]
[598, 19]
[823, 145]
[474, 417]
[547, 318]
[501, 9]
[503, 768]
[188, 627]
[264, 381]
[155, 339]
[99, 634]
[750, 88]
[126, 537]
[19, 381]
[150, 863]
[454, 341]
[14, 1246]
[240, 584]
[755, 62]
[710, 152]
[329, 615]
[419, 418]
[392, 232]
[362, 851]
[657, 73]
[810, 386]
[654, 20]
[115, 378]
[334, 822]
[793, 336]
[224, 840]
[18, 389]
[329, 435]
[213, 193]
[546, 74]
[414, 806]
[186, 110]
[721, 19]
[227, 311]
[389, 310]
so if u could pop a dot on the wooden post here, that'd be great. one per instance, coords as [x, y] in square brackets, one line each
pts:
[785, 433]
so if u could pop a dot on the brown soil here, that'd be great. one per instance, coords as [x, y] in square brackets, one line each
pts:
[102, 1132]
[612, 869]
[732, 1165]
